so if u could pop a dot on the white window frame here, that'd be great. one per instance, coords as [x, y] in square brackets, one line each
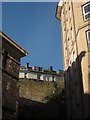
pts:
[84, 11]
[88, 39]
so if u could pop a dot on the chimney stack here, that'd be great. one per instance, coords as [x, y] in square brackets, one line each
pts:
[50, 68]
[27, 65]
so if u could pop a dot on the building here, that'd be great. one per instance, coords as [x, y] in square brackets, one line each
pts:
[75, 23]
[38, 73]
[10, 57]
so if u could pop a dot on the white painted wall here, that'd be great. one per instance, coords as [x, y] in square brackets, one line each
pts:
[47, 77]
[43, 77]
[50, 78]
[31, 75]
[21, 75]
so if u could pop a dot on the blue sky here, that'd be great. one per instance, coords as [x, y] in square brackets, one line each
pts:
[36, 29]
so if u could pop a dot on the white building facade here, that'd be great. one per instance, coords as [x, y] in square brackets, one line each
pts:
[38, 73]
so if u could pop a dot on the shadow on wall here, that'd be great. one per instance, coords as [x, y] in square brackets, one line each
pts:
[89, 91]
[41, 100]
[76, 101]
[53, 108]
[30, 109]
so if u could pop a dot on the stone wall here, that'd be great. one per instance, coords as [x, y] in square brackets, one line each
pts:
[38, 90]
[10, 73]
[76, 57]
[10, 59]
[41, 100]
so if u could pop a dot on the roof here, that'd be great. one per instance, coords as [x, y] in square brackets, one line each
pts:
[14, 44]
[43, 71]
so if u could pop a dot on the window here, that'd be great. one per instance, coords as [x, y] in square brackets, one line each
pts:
[8, 86]
[38, 76]
[5, 55]
[69, 8]
[86, 11]
[88, 38]
[71, 28]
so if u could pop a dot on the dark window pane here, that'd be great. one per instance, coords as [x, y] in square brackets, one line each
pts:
[38, 76]
[87, 16]
[89, 45]
[89, 36]
[87, 8]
